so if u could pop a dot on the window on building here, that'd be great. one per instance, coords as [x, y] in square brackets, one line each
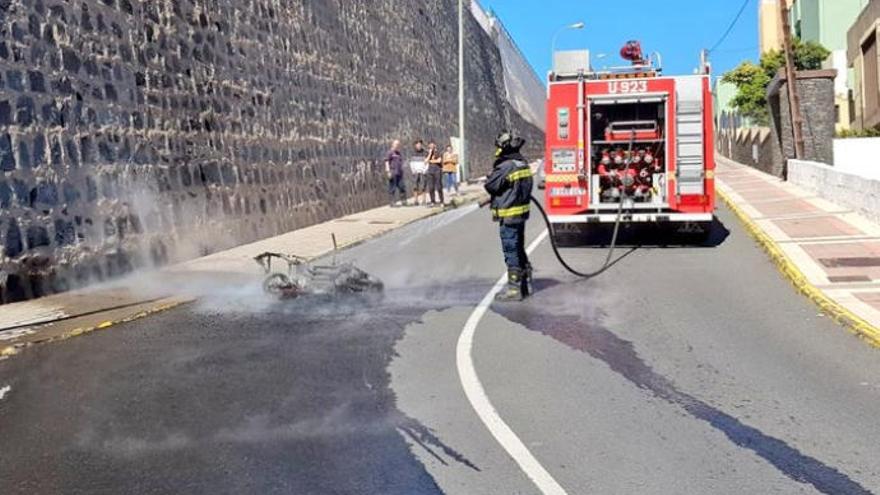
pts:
[870, 80]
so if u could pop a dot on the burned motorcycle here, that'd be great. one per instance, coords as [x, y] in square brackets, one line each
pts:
[302, 278]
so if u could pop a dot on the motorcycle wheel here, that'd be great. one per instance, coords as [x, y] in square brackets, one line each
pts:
[277, 284]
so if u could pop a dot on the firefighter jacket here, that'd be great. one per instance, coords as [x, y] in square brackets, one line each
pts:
[510, 186]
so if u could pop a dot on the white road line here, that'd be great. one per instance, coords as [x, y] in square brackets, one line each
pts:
[483, 406]
[5, 390]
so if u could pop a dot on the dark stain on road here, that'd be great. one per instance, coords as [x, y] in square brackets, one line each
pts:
[587, 335]
[291, 398]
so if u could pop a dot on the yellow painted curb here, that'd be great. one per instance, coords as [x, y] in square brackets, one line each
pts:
[76, 332]
[107, 324]
[789, 269]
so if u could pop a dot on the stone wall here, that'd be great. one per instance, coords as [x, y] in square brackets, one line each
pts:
[134, 133]
[752, 146]
[816, 91]
[768, 149]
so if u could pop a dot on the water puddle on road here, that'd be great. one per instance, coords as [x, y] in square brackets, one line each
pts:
[620, 355]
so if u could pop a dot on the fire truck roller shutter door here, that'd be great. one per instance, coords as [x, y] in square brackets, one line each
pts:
[690, 159]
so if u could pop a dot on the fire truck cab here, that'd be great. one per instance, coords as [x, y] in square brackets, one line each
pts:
[628, 139]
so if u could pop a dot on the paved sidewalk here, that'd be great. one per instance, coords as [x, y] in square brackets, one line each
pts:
[73, 313]
[829, 252]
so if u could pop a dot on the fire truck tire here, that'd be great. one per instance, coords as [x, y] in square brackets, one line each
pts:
[569, 236]
[699, 235]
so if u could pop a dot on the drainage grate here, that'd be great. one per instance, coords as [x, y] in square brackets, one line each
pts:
[381, 222]
[848, 278]
[850, 262]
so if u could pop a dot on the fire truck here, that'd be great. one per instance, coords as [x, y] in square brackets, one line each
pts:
[628, 144]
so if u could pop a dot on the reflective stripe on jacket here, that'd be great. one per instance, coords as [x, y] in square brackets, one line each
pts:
[510, 185]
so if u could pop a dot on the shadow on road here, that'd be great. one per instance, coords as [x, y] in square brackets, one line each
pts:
[643, 236]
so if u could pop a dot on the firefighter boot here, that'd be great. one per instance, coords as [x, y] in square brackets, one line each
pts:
[513, 290]
[527, 289]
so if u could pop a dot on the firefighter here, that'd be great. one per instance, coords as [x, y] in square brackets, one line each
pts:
[510, 188]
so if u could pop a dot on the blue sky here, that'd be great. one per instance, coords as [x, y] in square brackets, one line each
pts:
[678, 29]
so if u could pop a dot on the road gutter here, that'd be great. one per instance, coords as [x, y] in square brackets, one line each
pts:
[793, 273]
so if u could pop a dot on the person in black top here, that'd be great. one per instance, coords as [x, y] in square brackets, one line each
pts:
[394, 172]
[435, 175]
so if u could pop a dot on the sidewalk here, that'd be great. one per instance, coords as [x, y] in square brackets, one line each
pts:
[98, 307]
[831, 254]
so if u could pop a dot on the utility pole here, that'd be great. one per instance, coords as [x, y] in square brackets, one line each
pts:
[794, 100]
[462, 152]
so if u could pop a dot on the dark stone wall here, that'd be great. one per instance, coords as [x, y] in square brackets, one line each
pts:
[134, 133]
[745, 144]
[775, 146]
[816, 91]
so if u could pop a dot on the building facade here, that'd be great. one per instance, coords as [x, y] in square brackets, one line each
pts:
[826, 22]
[862, 58]
[769, 26]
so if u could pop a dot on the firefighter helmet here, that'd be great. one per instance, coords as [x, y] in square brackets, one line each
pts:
[507, 141]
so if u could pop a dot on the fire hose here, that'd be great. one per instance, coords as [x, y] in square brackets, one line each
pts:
[627, 182]
[605, 266]
[553, 243]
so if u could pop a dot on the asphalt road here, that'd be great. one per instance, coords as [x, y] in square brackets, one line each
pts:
[680, 370]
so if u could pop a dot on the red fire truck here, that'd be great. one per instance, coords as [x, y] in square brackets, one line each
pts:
[628, 140]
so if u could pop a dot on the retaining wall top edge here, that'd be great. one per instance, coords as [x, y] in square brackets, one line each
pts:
[801, 75]
[792, 164]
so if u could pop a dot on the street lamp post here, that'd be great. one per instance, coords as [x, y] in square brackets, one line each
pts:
[577, 25]
[462, 152]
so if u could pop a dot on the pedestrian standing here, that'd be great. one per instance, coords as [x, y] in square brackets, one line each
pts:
[450, 171]
[510, 188]
[394, 173]
[419, 167]
[435, 175]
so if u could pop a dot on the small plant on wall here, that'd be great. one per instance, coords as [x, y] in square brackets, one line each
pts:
[861, 133]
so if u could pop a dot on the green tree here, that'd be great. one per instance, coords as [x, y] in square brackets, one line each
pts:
[752, 80]
[751, 96]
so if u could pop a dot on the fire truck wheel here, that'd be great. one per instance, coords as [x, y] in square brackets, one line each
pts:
[698, 233]
[570, 235]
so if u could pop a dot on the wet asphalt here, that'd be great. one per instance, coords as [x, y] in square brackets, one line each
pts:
[683, 369]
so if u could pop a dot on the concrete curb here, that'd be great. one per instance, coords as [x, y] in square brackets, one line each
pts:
[839, 313]
[78, 331]
[450, 207]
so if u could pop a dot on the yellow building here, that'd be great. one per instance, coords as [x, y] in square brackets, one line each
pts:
[769, 25]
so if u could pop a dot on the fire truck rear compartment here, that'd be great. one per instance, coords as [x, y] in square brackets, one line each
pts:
[640, 175]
